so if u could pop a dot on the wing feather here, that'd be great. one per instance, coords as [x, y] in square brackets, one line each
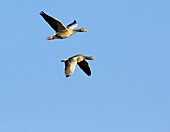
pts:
[54, 23]
[70, 65]
[85, 67]
[72, 25]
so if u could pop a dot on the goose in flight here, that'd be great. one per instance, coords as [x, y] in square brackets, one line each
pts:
[71, 63]
[62, 32]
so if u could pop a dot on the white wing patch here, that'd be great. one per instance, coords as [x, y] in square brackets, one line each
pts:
[70, 66]
[72, 25]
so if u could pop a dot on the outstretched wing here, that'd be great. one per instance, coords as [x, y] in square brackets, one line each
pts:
[70, 65]
[72, 25]
[54, 23]
[85, 67]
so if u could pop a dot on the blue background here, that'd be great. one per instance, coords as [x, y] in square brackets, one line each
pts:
[129, 90]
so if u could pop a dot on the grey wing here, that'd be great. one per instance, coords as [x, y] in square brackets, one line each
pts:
[72, 25]
[85, 67]
[55, 24]
[69, 67]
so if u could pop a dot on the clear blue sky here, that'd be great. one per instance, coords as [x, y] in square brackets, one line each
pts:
[129, 90]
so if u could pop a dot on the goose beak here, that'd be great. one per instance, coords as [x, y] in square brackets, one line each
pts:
[85, 30]
[51, 37]
[62, 60]
[92, 58]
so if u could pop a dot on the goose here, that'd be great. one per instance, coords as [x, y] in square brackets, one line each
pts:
[79, 59]
[62, 32]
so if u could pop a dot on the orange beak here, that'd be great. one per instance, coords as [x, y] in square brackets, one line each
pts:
[50, 38]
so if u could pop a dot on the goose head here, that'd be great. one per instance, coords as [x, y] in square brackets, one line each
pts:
[51, 37]
[63, 60]
[90, 58]
[81, 30]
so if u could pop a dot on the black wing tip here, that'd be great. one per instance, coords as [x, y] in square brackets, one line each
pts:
[67, 76]
[74, 21]
[89, 74]
[42, 13]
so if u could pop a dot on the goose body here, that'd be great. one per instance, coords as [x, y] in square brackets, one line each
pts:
[71, 63]
[62, 32]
